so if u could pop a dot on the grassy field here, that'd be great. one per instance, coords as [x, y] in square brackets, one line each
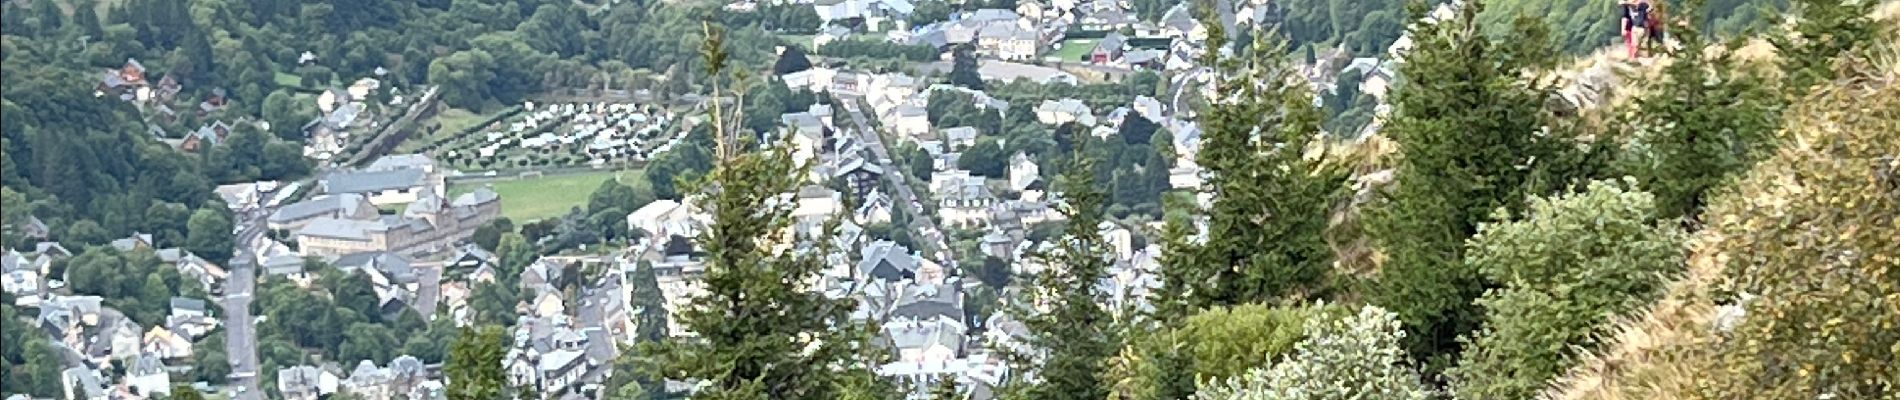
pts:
[453, 120]
[286, 79]
[530, 199]
[1073, 50]
[799, 40]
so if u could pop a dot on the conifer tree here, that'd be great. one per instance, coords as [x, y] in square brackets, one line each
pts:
[474, 365]
[1070, 331]
[1464, 124]
[1698, 123]
[762, 333]
[1265, 229]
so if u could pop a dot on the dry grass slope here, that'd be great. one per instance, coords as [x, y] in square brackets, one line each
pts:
[1674, 350]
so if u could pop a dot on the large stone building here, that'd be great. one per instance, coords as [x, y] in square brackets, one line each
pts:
[428, 225]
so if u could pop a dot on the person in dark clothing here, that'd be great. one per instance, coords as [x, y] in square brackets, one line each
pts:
[1639, 26]
[1624, 10]
[1655, 19]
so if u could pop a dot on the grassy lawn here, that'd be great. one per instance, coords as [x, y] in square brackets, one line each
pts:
[1073, 50]
[457, 120]
[453, 120]
[529, 199]
[286, 79]
[800, 40]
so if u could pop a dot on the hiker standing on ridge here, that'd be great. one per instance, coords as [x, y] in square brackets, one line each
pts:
[1625, 12]
[1655, 16]
[1639, 20]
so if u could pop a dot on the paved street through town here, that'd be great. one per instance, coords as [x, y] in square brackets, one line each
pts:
[905, 197]
[240, 329]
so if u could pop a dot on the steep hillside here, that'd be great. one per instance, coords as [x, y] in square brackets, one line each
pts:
[1793, 252]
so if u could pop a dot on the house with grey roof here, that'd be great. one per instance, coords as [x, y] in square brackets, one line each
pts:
[959, 138]
[887, 260]
[351, 206]
[930, 340]
[136, 241]
[24, 284]
[962, 200]
[305, 382]
[369, 382]
[34, 228]
[470, 257]
[926, 301]
[1065, 110]
[1108, 49]
[147, 377]
[420, 162]
[394, 267]
[188, 307]
[282, 264]
[860, 174]
[1009, 41]
[83, 383]
[384, 187]
[429, 225]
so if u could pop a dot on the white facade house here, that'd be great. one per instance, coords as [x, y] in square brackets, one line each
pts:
[147, 376]
[815, 206]
[959, 138]
[872, 11]
[909, 121]
[1023, 172]
[1009, 41]
[1058, 112]
[816, 79]
[667, 217]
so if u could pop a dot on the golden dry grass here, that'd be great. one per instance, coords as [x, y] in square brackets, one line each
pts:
[1669, 350]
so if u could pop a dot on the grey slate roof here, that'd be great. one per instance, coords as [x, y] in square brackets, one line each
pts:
[345, 202]
[925, 302]
[477, 197]
[129, 243]
[373, 181]
[887, 260]
[143, 365]
[991, 15]
[1007, 31]
[341, 228]
[392, 265]
[1112, 42]
[188, 304]
[927, 333]
[401, 161]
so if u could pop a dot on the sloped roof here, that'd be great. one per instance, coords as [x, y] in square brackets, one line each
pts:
[401, 161]
[479, 196]
[885, 252]
[342, 228]
[374, 181]
[929, 301]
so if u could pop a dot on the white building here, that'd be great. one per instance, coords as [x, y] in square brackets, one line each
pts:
[663, 217]
[1067, 110]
